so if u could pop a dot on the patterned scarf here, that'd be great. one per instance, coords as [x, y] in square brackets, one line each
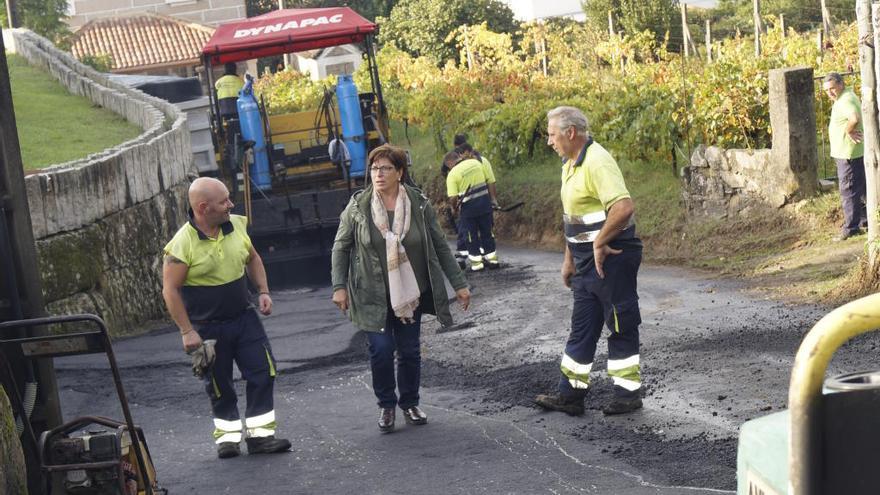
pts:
[402, 285]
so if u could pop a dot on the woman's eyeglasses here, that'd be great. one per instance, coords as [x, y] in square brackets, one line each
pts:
[385, 169]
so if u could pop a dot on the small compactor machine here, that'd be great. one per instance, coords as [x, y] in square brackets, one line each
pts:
[828, 441]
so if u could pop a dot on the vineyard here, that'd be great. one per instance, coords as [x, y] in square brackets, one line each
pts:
[644, 102]
[649, 105]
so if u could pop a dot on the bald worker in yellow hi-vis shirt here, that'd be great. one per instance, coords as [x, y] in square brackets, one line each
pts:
[204, 284]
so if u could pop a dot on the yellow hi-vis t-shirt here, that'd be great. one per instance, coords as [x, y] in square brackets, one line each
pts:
[594, 185]
[487, 171]
[228, 86]
[468, 174]
[215, 287]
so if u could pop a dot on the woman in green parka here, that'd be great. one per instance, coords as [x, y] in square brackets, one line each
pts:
[389, 260]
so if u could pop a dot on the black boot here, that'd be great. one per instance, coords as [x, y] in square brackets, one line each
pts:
[386, 419]
[573, 406]
[622, 405]
[225, 450]
[267, 445]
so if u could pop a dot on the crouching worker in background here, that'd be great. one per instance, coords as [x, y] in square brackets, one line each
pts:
[206, 293]
[389, 260]
[468, 191]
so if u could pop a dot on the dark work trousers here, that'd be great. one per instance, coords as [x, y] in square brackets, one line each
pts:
[851, 181]
[461, 243]
[479, 233]
[244, 341]
[400, 340]
[612, 302]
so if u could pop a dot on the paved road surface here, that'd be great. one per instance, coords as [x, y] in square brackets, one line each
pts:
[712, 356]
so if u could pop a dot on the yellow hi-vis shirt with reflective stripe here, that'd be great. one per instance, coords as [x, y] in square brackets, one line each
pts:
[215, 287]
[228, 86]
[593, 186]
[468, 174]
[487, 171]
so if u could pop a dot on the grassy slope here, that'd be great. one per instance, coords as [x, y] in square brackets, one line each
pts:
[55, 126]
[787, 252]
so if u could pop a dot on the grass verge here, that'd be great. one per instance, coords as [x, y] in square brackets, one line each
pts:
[55, 126]
[784, 253]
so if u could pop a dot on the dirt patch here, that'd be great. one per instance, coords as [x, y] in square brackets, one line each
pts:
[695, 461]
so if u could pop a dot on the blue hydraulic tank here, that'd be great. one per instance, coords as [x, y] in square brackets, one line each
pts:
[352, 124]
[252, 130]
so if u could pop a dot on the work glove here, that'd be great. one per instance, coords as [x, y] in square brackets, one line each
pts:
[203, 358]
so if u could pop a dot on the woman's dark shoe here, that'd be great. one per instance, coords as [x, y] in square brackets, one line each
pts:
[415, 416]
[386, 419]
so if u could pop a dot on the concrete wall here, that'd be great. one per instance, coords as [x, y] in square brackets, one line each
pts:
[100, 222]
[720, 183]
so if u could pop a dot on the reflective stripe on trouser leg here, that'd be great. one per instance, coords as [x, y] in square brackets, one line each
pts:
[491, 258]
[586, 327]
[623, 319]
[476, 262]
[219, 384]
[471, 229]
[257, 364]
[625, 373]
[261, 426]
[227, 431]
[484, 224]
[578, 374]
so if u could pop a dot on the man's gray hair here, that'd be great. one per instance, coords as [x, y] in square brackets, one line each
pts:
[833, 77]
[566, 117]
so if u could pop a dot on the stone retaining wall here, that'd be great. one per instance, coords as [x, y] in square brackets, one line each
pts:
[100, 222]
[720, 183]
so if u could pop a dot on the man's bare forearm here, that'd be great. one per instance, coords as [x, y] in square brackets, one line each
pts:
[171, 284]
[257, 274]
[177, 310]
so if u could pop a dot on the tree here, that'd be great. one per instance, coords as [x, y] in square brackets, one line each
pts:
[44, 17]
[801, 15]
[423, 27]
[636, 16]
[369, 9]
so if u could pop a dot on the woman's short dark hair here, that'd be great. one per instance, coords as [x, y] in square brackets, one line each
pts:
[230, 69]
[395, 155]
[459, 140]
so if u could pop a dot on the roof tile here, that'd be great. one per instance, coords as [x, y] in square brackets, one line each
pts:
[141, 41]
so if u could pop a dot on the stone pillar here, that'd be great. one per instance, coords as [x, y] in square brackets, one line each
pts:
[793, 121]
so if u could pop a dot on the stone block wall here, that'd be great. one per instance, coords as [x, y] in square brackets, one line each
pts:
[721, 183]
[100, 222]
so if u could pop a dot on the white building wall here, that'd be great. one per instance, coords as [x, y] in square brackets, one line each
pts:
[207, 12]
[530, 10]
[317, 68]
